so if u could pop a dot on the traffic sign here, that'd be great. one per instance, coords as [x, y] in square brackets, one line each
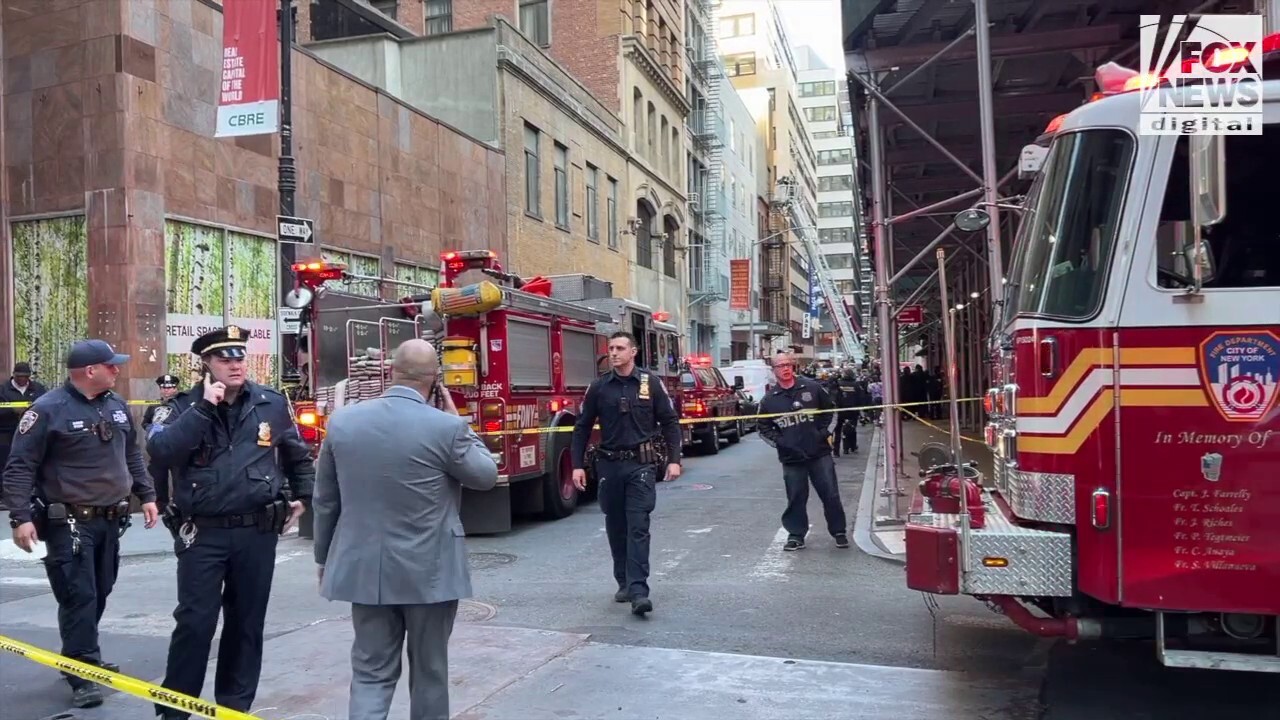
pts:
[300, 231]
[290, 320]
[911, 315]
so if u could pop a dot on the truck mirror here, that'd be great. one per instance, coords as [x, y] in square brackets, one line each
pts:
[738, 383]
[299, 298]
[972, 220]
[1208, 178]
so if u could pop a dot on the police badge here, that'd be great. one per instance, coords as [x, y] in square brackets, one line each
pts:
[806, 396]
[161, 414]
[644, 387]
[264, 434]
[27, 422]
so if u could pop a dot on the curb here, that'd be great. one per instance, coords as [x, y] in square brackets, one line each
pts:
[864, 523]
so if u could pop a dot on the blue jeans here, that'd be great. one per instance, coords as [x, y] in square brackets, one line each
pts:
[821, 472]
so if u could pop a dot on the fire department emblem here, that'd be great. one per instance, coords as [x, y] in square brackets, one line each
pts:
[27, 422]
[1241, 372]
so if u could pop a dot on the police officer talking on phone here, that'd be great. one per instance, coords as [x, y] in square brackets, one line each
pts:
[634, 410]
[230, 452]
[74, 462]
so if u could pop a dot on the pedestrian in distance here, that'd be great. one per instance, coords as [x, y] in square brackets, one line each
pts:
[803, 442]
[388, 534]
[230, 452]
[74, 463]
[19, 390]
[634, 411]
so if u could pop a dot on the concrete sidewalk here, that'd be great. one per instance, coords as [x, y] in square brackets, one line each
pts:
[508, 673]
[137, 541]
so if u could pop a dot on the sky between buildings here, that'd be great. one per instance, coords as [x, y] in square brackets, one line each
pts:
[815, 23]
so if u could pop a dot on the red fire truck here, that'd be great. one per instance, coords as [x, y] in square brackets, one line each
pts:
[1134, 417]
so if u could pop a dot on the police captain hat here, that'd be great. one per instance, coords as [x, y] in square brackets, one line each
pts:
[167, 381]
[231, 341]
[93, 352]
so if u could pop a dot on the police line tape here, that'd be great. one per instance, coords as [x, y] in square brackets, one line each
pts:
[945, 431]
[130, 686]
[739, 418]
[126, 402]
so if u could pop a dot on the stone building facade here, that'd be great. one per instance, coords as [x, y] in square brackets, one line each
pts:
[114, 188]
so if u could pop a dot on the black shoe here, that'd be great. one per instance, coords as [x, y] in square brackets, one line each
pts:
[622, 595]
[86, 696]
[640, 606]
[842, 541]
[794, 544]
[109, 666]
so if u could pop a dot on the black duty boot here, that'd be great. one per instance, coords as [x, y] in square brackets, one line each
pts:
[622, 595]
[842, 540]
[86, 696]
[640, 606]
[794, 544]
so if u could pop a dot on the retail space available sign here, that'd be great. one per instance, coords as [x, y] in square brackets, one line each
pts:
[249, 94]
[182, 330]
[1202, 74]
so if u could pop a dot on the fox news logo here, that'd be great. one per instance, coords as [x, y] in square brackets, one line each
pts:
[1202, 75]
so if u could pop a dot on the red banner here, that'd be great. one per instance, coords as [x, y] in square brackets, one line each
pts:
[249, 92]
[911, 315]
[740, 284]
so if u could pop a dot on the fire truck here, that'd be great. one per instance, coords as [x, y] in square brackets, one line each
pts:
[1134, 416]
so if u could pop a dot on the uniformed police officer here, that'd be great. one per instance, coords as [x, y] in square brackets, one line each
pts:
[803, 442]
[74, 462]
[168, 385]
[229, 452]
[633, 409]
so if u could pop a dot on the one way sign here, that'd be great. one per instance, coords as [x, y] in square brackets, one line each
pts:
[300, 231]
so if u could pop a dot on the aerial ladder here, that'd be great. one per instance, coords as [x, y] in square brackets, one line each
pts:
[785, 197]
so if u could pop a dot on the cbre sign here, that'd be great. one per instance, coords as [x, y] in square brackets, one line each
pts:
[911, 315]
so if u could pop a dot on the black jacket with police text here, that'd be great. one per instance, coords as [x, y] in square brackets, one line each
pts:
[798, 436]
[232, 459]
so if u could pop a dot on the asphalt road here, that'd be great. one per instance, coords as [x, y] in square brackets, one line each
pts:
[720, 583]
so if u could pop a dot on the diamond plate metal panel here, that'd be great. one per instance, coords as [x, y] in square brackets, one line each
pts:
[1046, 497]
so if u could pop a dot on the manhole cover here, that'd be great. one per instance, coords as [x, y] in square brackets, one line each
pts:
[487, 560]
[471, 611]
[689, 486]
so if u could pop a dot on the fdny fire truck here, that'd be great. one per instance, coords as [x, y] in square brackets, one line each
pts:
[1135, 413]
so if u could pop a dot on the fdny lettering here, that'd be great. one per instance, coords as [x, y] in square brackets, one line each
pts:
[526, 416]
[792, 420]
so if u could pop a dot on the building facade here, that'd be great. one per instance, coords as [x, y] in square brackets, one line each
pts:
[757, 58]
[743, 156]
[566, 161]
[823, 98]
[126, 219]
[630, 56]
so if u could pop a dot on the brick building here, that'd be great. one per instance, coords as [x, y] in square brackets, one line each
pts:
[124, 217]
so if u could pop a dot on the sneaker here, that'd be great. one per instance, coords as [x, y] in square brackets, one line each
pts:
[842, 541]
[794, 544]
[640, 606]
[622, 595]
[86, 696]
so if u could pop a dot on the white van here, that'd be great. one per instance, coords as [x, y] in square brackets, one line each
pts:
[756, 376]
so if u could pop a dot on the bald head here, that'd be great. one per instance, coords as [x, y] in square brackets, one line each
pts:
[415, 364]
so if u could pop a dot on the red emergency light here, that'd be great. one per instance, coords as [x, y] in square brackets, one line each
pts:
[316, 272]
[1101, 509]
[457, 262]
[699, 360]
[661, 316]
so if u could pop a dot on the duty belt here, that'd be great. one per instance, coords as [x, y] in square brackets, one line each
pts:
[89, 512]
[616, 455]
[227, 521]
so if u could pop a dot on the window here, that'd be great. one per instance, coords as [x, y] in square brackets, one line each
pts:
[740, 64]
[612, 215]
[839, 261]
[532, 194]
[1068, 231]
[1243, 248]
[836, 209]
[835, 183]
[644, 240]
[593, 203]
[835, 235]
[835, 157]
[818, 89]
[386, 7]
[535, 21]
[439, 16]
[822, 113]
[562, 186]
[738, 26]
[826, 135]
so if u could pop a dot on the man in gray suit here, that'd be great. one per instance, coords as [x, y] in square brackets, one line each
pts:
[388, 538]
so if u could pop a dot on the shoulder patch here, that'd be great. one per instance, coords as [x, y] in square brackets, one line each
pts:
[161, 414]
[27, 422]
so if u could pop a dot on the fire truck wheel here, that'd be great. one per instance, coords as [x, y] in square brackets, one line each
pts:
[560, 497]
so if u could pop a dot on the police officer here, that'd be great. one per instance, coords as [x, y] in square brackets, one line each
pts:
[633, 408]
[168, 385]
[19, 391]
[74, 462]
[229, 452]
[803, 442]
[849, 400]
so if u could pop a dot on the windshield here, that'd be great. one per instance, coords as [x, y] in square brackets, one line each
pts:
[1067, 234]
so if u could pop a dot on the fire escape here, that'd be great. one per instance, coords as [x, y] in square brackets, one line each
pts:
[708, 282]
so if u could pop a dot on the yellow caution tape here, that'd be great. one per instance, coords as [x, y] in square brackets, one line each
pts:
[945, 431]
[127, 402]
[123, 683]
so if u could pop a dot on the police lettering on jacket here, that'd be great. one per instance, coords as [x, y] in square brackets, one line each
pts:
[70, 449]
[231, 459]
[798, 436]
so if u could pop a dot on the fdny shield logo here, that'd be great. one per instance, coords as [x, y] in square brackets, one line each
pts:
[1241, 372]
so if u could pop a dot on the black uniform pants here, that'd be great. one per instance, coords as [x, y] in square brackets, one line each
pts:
[81, 582]
[847, 431]
[628, 493]
[228, 570]
[797, 476]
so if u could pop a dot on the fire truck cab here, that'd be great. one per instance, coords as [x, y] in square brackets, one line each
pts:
[708, 399]
[1134, 413]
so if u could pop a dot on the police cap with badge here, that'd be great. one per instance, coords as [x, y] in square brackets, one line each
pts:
[229, 342]
[167, 381]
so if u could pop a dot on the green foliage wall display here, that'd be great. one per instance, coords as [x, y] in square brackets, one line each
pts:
[254, 269]
[357, 264]
[50, 292]
[415, 274]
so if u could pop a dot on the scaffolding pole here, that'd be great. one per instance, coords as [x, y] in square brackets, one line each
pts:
[990, 182]
[888, 363]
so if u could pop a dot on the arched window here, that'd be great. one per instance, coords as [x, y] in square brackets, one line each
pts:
[672, 229]
[644, 234]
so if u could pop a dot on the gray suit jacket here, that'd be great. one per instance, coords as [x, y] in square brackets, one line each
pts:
[388, 487]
